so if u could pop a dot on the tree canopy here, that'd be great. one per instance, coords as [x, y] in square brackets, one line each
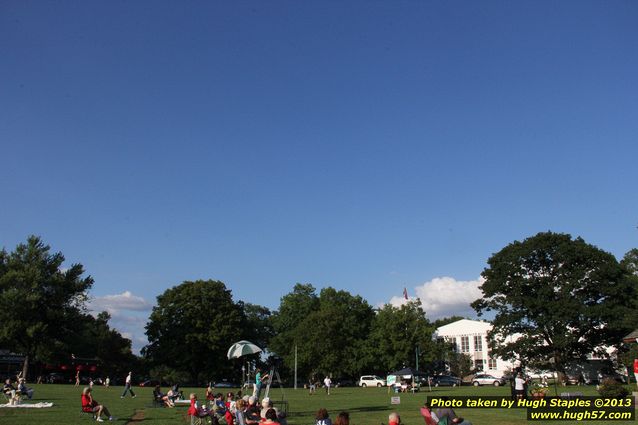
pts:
[39, 300]
[194, 324]
[397, 334]
[328, 330]
[560, 298]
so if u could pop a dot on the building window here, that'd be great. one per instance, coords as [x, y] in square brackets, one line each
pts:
[478, 343]
[491, 363]
[465, 344]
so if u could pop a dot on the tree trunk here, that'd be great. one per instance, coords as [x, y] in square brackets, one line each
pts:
[25, 367]
[559, 367]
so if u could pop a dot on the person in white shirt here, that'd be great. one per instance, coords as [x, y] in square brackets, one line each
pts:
[519, 386]
[327, 383]
[127, 386]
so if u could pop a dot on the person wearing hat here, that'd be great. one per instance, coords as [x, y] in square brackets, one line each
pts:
[230, 407]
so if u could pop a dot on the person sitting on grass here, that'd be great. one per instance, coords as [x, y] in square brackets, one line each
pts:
[174, 393]
[240, 411]
[343, 418]
[394, 419]
[322, 417]
[23, 389]
[230, 408]
[11, 392]
[219, 407]
[197, 411]
[210, 393]
[447, 416]
[252, 415]
[270, 418]
[428, 415]
[92, 406]
[159, 396]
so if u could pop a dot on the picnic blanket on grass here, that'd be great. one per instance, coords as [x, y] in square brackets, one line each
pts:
[28, 405]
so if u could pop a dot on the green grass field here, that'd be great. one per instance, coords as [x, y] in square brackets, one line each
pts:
[367, 406]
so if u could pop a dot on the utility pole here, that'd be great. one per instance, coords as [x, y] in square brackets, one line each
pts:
[295, 366]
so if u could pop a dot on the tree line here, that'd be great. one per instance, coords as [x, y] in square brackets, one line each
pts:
[565, 297]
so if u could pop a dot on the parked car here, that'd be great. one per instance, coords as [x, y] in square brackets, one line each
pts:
[345, 382]
[56, 378]
[581, 379]
[446, 380]
[371, 381]
[153, 382]
[485, 379]
[615, 376]
[225, 384]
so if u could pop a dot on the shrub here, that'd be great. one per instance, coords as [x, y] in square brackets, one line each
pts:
[609, 388]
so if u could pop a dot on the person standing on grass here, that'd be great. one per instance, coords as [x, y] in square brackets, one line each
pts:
[127, 385]
[327, 382]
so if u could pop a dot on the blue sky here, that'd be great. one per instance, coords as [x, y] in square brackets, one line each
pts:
[365, 145]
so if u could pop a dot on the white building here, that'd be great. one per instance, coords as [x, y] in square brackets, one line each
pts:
[470, 337]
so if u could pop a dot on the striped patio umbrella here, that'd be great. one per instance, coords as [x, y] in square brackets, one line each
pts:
[242, 348]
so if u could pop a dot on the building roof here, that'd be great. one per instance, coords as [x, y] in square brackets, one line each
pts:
[632, 337]
[464, 326]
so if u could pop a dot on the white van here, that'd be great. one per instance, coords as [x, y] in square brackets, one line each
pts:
[371, 381]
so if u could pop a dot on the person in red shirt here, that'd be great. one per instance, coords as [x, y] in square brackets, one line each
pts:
[636, 371]
[394, 419]
[230, 406]
[197, 411]
[92, 406]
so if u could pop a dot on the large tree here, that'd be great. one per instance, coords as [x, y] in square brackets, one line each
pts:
[192, 327]
[338, 332]
[294, 307]
[398, 336]
[39, 299]
[328, 330]
[258, 324]
[94, 338]
[556, 299]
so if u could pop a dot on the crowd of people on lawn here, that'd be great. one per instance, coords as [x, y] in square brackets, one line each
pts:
[235, 409]
[247, 410]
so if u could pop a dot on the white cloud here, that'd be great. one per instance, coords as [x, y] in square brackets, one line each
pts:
[129, 314]
[446, 296]
[124, 301]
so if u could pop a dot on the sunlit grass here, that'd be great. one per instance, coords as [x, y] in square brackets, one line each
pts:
[367, 406]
